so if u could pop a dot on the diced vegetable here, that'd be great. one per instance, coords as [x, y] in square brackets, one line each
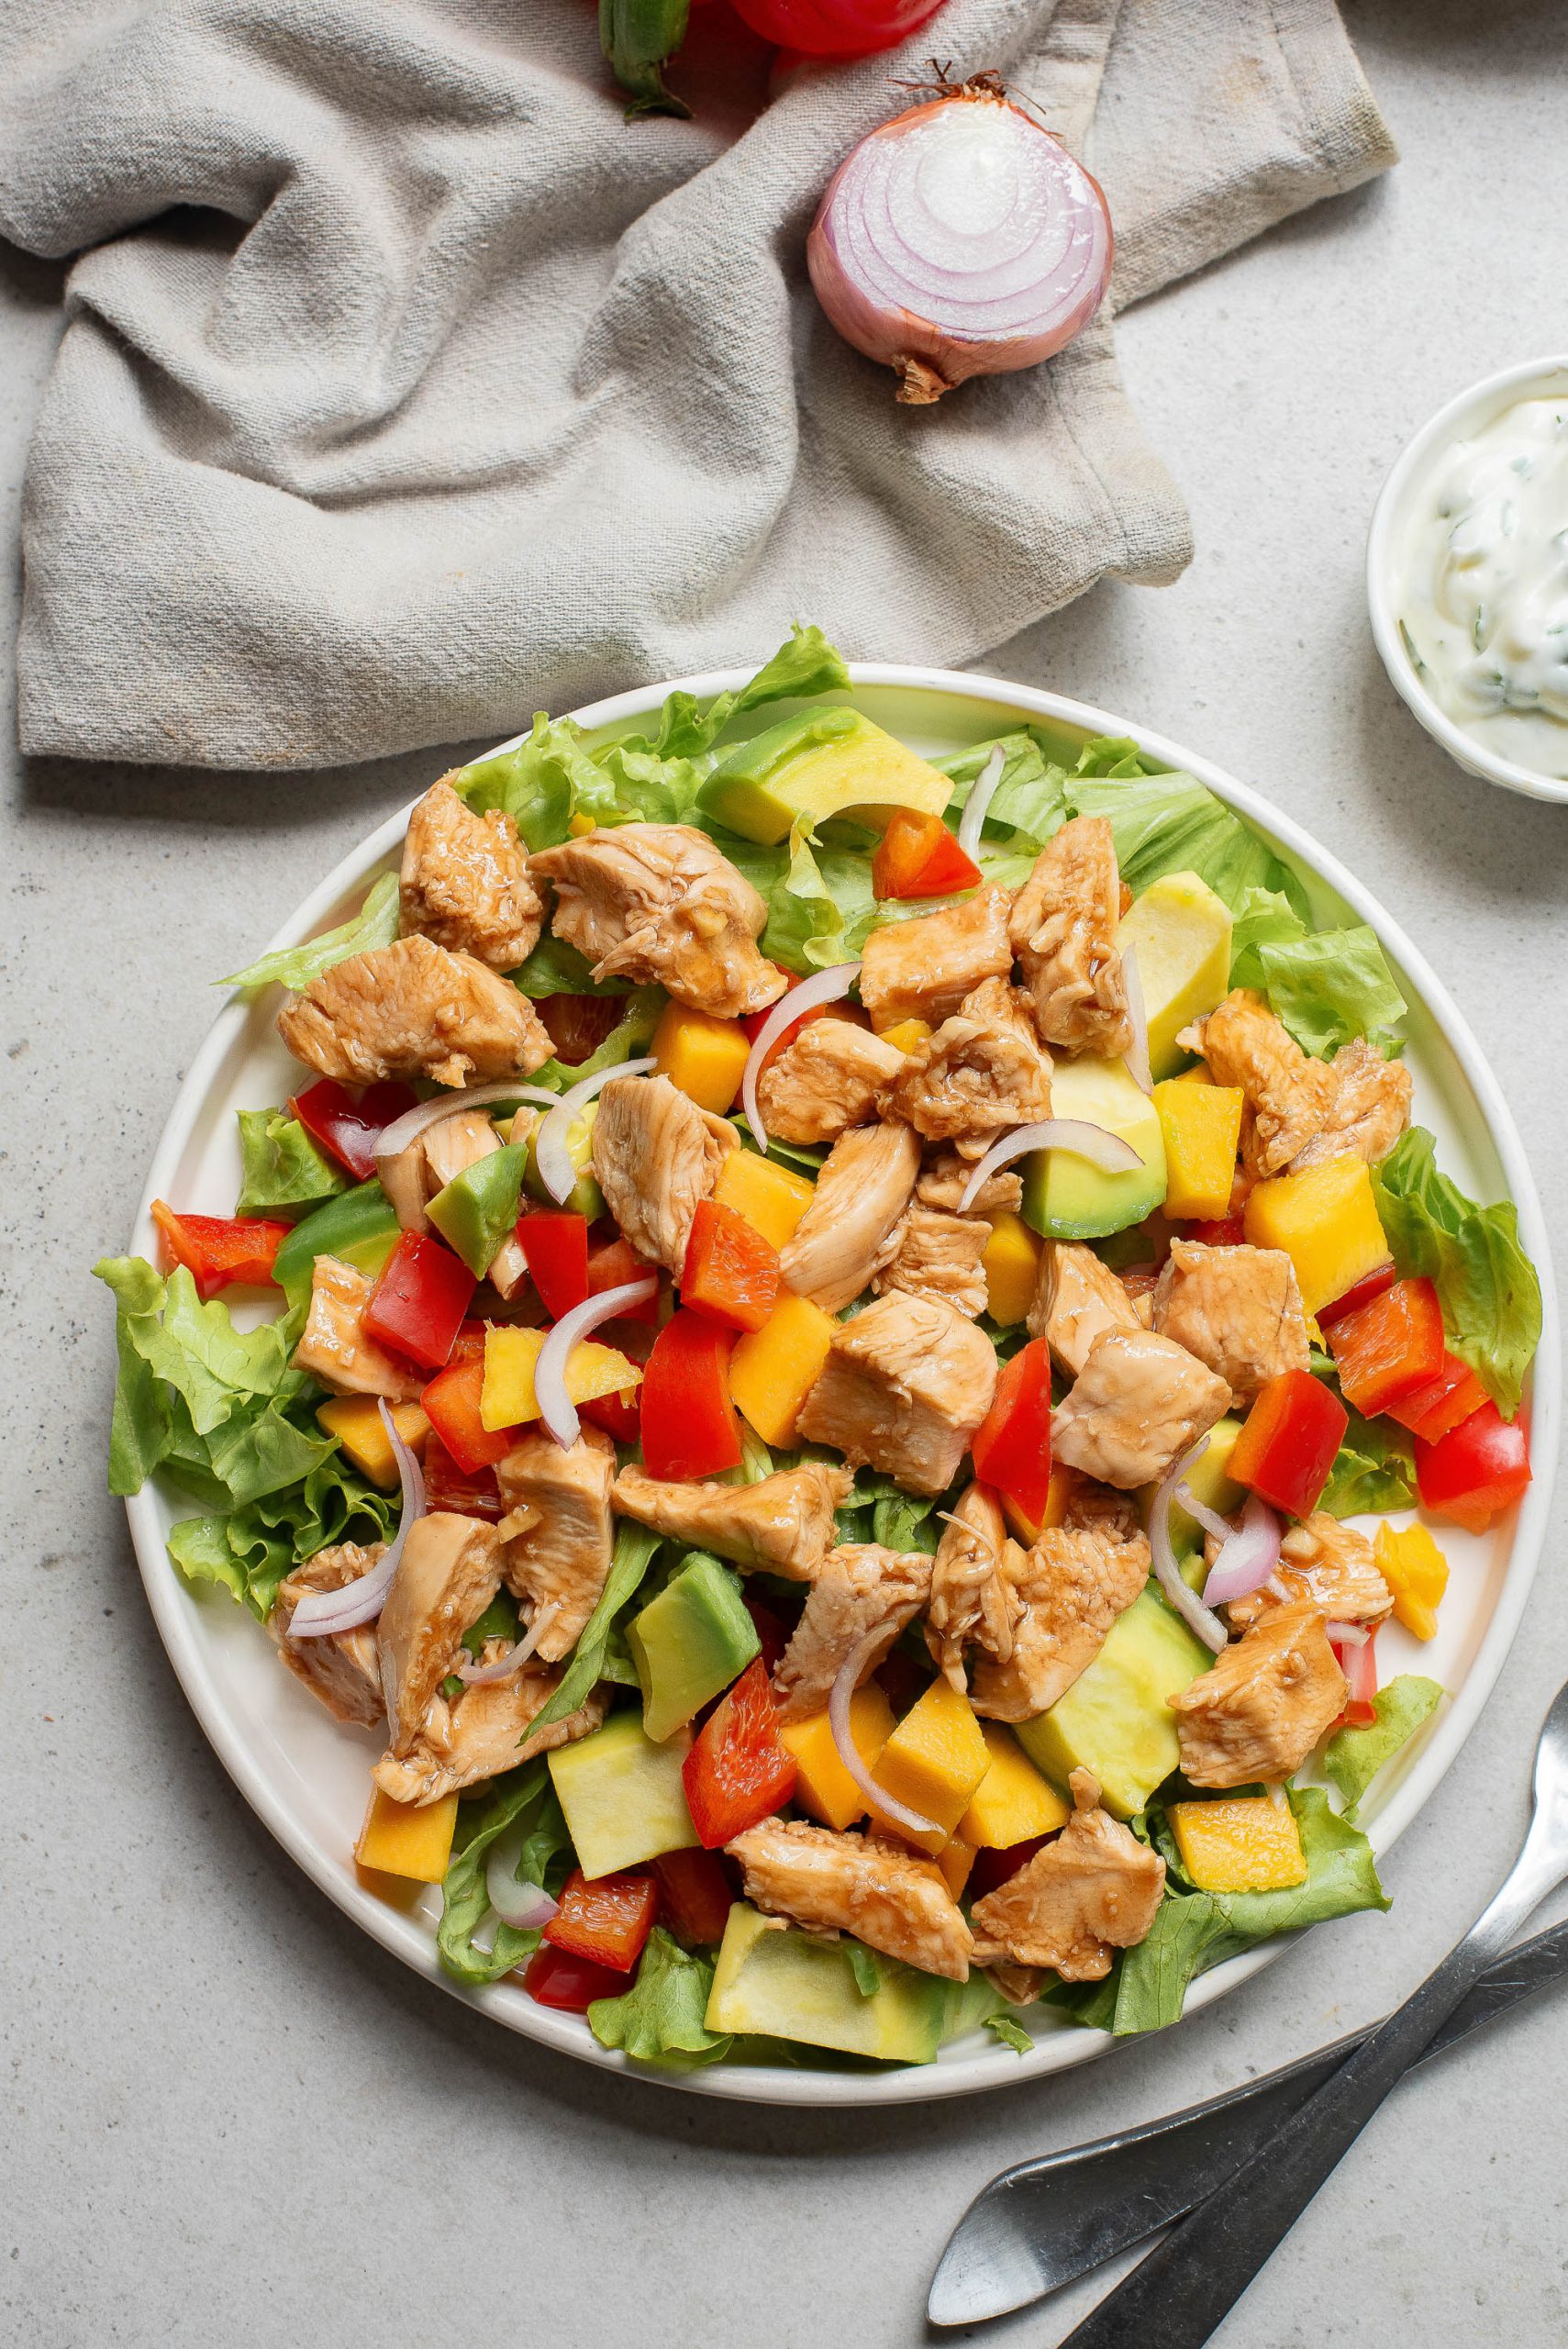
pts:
[507, 1398]
[585, 1197]
[1358, 1662]
[773, 1369]
[1011, 1265]
[350, 1129]
[1180, 933]
[555, 1244]
[1013, 1803]
[730, 1272]
[617, 1265]
[905, 1034]
[703, 1057]
[771, 1199]
[221, 1250]
[1353, 1299]
[1416, 1571]
[1220, 1231]
[621, 1795]
[469, 1492]
[784, 1984]
[361, 1227]
[606, 1920]
[738, 1770]
[420, 1300]
[453, 1402]
[993, 1868]
[956, 1860]
[1012, 1445]
[689, 1643]
[689, 1428]
[407, 1839]
[1326, 1220]
[1239, 1843]
[823, 1787]
[1202, 1126]
[1389, 1346]
[618, 1416]
[478, 1208]
[820, 763]
[554, 1977]
[1288, 1441]
[697, 1895]
[356, 1421]
[1429, 1411]
[918, 857]
[1478, 1468]
[934, 1760]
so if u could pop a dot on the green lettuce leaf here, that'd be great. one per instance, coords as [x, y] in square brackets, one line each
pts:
[1011, 2033]
[627, 1041]
[523, 1799]
[1029, 803]
[1354, 1757]
[634, 1550]
[821, 906]
[537, 782]
[557, 968]
[1487, 1285]
[1374, 1469]
[375, 925]
[1262, 919]
[194, 1348]
[1171, 823]
[283, 1173]
[1332, 988]
[249, 1551]
[660, 2019]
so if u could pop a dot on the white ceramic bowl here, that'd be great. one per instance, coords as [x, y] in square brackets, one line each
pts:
[1472, 410]
[307, 1777]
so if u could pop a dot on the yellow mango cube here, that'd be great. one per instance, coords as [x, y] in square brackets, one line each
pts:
[771, 1197]
[703, 1057]
[934, 1761]
[773, 1369]
[1011, 1265]
[824, 1787]
[1202, 1126]
[955, 1859]
[1239, 1843]
[1057, 1495]
[407, 1839]
[356, 1421]
[1416, 1571]
[905, 1034]
[1326, 1220]
[1012, 1802]
[506, 1398]
[1197, 1075]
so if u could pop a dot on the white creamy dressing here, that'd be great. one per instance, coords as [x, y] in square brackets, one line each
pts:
[1483, 585]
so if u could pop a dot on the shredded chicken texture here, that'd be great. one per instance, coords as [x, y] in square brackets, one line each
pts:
[1329, 1565]
[984, 1069]
[411, 1010]
[465, 882]
[867, 1181]
[1263, 1705]
[923, 969]
[1091, 1508]
[340, 1670]
[333, 1346]
[1287, 1095]
[905, 1387]
[658, 903]
[435, 1158]
[484, 1732]
[656, 1157]
[1369, 1108]
[1070, 1588]
[862, 1598]
[558, 1532]
[1094, 1889]
[945, 1176]
[1064, 928]
[1238, 1309]
[447, 1576]
[939, 1256]
[1077, 1299]
[1138, 1403]
[826, 1080]
[783, 1524]
[876, 1889]
[974, 1598]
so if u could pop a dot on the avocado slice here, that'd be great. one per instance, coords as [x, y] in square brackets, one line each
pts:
[780, 1984]
[689, 1643]
[1212, 1485]
[361, 1227]
[584, 1197]
[622, 1796]
[478, 1208]
[820, 763]
[1115, 1720]
[1181, 932]
[1069, 1198]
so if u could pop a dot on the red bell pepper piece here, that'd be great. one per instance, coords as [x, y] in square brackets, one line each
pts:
[1012, 1445]
[755, 1022]
[1287, 1444]
[697, 1895]
[993, 1867]
[1354, 1298]
[613, 1266]
[578, 1024]
[451, 1403]
[347, 1127]
[1443, 1402]
[918, 857]
[219, 1250]
[1479, 1467]
[1388, 1347]
[619, 1416]
[689, 1427]
[740, 1769]
[1359, 1664]
[556, 1246]
[466, 1493]
[731, 1271]
[606, 1919]
[1229, 1232]
[772, 1630]
[553, 1978]
[418, 1304]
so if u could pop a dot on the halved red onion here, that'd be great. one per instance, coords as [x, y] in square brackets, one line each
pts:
[556, 1171]
[394, 1138]
[1167, 1572]
[479, 1675]
[849, 1752]
[982, 792]
[1248, 1557]
[1138, 1020]
[320, 1613]
[556, 1407]
[1209, 1519]
[522, 1906]
[823, 987]
[1096, 1143]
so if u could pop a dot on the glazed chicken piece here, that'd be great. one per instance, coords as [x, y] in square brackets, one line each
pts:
[944, 1178]
[435, 1158]
[867, 1181]
[1070, 1588]
[1238, 1309]
[1092, 1889]
[340, 1669]
[658, 903]
[781, 1525]
[465, 882]
[1328, 1564]
[1064, 928]
[447, 1576]
[826, 1080]
[1287, 1095]
[411, 1010]
[862, 1598]
[983, 1069]
[558, 1532]
[1077, 1299]
[883, 1894]
[974, 1597]
[937, 1256]
[483, 1733]
[656, 1157]
[923, 969]
[905, 1387]
[333, 1346]
[1138, 1403]
[1368, 1109]
[1264, 1703]
[1091, 1508]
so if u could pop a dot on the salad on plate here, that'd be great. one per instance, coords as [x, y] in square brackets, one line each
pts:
[836, 1362]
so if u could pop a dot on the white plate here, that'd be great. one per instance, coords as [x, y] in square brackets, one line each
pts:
[309, 1779]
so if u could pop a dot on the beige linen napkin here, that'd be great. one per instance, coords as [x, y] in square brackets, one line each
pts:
[405, 388]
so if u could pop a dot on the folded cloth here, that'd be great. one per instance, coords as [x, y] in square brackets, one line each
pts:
[406, 387]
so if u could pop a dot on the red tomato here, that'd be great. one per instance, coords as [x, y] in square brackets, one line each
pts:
[1287, 1444]
[1354, 1298]
[606, 1919]
[730, 1272]
[1431, 1410]
[347, 1127]
[1479, 1467]
[1387, 1347]
[835, 28]
[554, 1977]
[1012, 1445]
[451, 1403]
[740, 1769]
[578, 1024]
[689, 1427]
[556, 1245]
[219, 1250]
[697, 1895]
[419, 1303]
[448, 1486]
[918, 857]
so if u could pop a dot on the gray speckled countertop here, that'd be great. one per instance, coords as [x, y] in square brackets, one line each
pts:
[227, 2117]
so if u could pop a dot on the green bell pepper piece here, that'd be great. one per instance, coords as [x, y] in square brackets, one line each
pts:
[361, 1227]
[478, 1208]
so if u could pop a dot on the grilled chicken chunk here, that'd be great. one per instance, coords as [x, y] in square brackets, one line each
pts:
[1238, 1309]
[658, 902]
[656, 1157]
[826, 1080]
[447, 1576]
[867, 1181]
[1368, 1109]
[939, 1256]
[483, 1733]
[1287, 1095]
[972, 1594]
[944, 1178]
[1138, 1403]
[883, 1895]
[781, 1525]
[862, 1598]
[558, 1532]
[983, 1069]
[1092, 1890]
[905, 1387]
[341, 1670]
[923, 969]
[1064, 928]
[465, 882]
[1077, 1299]
[333, 1346]
[436, 1158]
[1264, 1703]
[411, 1010]
[1329, 1565]
[1070, 1587]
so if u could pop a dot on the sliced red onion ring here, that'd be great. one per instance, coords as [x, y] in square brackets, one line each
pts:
[556, 1170]
[848, 1753]
[556, 1407]
[479, 1675]
[982, 792]
[1096, 1143]
[1209, 1519]
[1349, 1635]
[320, 1613]
[1167, 1574]
[1138, 1020]
[1248, 1557]
[825, 986]
[395, 1138]
[518, 1905]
